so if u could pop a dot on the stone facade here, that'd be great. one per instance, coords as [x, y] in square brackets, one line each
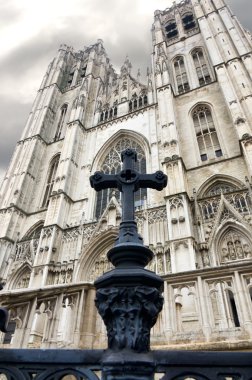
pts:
[193, 120]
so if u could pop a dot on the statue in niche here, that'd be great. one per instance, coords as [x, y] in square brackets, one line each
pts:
[152, 265]
[62, 278]
[247, 251]
[57, 278]
[168, 262]
[231, 250]
[68, 277]
[235, 247]
[239, 250]
[160, 264]
[225, 255]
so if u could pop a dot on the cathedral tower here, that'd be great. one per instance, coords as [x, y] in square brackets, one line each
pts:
[192, 119]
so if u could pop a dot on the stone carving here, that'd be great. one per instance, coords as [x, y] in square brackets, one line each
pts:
[157, 215]
[235, 247]
[101, 266]
[60, 273]
[161, 262]
[129, 313]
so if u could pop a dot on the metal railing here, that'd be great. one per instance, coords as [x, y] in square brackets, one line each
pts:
[50, 364]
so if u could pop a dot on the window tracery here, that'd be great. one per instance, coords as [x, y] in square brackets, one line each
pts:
[220, 188]
[112, 165]
[206, 134]
[181, 75]
[239, 199]
[50, 180]
[201, 67]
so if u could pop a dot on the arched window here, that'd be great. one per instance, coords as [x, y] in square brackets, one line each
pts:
[171, 29]
[188, 21]
[61, 122]
[207, 138]
[181, 75]
[50, 180]
[220, 188]
[201, 67]
[112, 164]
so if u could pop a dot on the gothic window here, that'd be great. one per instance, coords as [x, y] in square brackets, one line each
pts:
[207, 138]
[171, 29]
[181, 75]
[220, 188]
[188, 21]
[108, 114]
[138, 102]
[201, 67]
[50, 180]
[61, 122]
[112, 164]
[209, 208]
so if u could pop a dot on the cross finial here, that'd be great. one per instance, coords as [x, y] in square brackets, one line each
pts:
[128, 181]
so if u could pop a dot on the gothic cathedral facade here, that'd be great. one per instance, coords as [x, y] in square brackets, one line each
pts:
[192, 118]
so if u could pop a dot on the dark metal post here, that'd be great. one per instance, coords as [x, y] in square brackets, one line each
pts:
[128, 297]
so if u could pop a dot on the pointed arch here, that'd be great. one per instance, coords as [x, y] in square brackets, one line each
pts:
[20, 278]
[201, 66]
[233, 242]
[34, 231]
[219, 183]
[96, 252]
[180, 74]
[109, 161]
[138, 137]
[206, 134]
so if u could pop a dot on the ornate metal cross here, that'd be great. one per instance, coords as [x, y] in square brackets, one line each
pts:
[128, 181]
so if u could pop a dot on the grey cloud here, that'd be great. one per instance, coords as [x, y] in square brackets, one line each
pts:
[13, 117]
[242, 9]
[8, 14]
[114, 22]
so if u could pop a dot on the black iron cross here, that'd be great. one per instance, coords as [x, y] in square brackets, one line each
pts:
[128, 181]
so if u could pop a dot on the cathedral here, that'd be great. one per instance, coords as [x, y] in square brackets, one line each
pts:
[191, 118]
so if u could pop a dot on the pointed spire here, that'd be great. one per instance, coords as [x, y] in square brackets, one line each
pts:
[127, 66]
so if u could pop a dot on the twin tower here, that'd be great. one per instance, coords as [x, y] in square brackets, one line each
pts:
[191, 118]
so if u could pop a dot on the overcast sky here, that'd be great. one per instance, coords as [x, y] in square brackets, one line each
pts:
[32, 30]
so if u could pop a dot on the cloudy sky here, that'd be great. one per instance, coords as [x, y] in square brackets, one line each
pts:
[32, 30]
